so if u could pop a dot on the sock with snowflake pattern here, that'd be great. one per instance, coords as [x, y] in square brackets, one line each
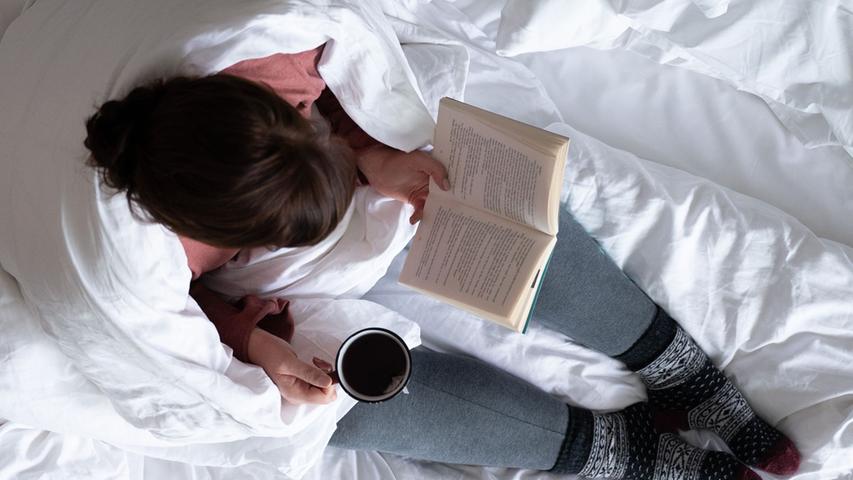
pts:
[687, 392]
[625, 446]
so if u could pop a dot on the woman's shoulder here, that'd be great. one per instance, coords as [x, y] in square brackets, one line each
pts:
[293, 76]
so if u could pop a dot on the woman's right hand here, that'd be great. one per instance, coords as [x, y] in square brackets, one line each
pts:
[297, 381]
[403, 176]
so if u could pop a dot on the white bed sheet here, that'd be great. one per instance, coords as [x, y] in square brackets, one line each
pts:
[698, 125]
[677, 118]
[762, 294]
[695, 123]
[703, 126]
[816, 198]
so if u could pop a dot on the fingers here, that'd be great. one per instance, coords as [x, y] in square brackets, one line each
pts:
[308, 374]
[418, 200]
[297, 391]
[328, 368]
[434, 169]
[322, 364]
[303, 383]
[418, 214]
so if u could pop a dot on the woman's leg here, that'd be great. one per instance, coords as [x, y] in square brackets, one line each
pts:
[460, 410]
[587, 297]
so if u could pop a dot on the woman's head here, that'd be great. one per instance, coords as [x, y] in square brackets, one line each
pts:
[224, 161]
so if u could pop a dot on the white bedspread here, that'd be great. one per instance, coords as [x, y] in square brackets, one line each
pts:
[770, 301]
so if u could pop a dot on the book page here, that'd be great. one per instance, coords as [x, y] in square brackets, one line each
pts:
[493, 171]
[473, 257]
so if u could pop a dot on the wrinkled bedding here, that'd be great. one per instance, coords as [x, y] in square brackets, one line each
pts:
[769, 300]
[97, 299]
[797, 55]
[9, 11]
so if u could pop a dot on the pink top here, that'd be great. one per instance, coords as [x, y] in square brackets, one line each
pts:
[295, 78]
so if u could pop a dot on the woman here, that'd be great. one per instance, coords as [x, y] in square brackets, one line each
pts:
[232, 161]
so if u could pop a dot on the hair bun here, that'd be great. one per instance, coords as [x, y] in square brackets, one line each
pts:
[113, 133]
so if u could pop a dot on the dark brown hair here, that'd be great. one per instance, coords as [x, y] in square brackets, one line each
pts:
[224, 161]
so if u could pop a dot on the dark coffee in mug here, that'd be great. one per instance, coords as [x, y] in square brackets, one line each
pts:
[373, 365]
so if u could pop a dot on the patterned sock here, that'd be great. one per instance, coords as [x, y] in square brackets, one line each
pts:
[624, 446]
[688, 392]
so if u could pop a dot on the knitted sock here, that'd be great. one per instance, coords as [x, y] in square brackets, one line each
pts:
[624, 446]
[688, 392]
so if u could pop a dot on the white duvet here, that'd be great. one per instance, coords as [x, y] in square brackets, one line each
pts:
[100, 339]
[766, 298]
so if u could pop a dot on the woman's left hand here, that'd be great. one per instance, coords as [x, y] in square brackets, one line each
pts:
[297, 381]
[403, 176]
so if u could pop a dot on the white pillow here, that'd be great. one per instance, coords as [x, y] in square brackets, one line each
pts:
[794, 54]
[543, 25]
[797, 55]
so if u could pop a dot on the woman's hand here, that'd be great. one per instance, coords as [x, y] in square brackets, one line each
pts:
[297, 381]
[401, 175]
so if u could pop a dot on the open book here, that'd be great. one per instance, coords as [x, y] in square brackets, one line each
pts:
[483, 245]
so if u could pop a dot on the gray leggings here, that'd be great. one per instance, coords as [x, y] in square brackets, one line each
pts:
[460, 410]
